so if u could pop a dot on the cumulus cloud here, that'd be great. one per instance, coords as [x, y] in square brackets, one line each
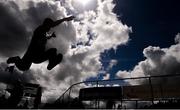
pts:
[159, 61]
[94, 30]
[177, 38]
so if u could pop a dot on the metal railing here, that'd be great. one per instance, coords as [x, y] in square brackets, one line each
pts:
[97, 82]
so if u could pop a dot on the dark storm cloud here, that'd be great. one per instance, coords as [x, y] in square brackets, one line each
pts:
[18, 23]
[10, 78]
[13, 34]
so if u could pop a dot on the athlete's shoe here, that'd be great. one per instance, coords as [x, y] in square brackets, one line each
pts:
[54, 61]
[13, 59]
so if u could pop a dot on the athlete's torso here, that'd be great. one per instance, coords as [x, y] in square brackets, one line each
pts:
[38, 43]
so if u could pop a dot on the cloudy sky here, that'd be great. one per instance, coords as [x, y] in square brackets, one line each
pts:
[108, 39]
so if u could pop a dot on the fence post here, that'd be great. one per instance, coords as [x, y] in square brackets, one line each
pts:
[69, 94]
[97, 102]
[63, 99]
[152, 94]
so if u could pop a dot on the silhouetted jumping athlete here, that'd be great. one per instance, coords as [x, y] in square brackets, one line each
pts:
[36, 52]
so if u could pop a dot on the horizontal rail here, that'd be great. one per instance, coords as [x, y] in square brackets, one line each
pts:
[145, 77]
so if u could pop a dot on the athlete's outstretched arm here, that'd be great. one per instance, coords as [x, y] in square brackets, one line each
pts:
[62, 20]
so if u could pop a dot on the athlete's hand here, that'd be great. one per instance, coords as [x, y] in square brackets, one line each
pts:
[70, 18]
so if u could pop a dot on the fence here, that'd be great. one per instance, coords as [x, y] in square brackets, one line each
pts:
[149, 88]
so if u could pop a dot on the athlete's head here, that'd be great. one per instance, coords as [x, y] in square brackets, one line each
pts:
[47, 23]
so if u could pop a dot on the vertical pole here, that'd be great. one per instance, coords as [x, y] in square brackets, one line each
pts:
[63, 99]
[121, 103]
[69, 94]
[161, 92]
[97, 104]
[152, 94]
[136, 104]
[96, 83]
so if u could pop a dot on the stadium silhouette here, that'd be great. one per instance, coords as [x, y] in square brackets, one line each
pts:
[100, 94]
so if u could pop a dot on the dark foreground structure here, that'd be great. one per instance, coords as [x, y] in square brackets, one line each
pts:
[117, 94]
[23, 96]
[109, 94]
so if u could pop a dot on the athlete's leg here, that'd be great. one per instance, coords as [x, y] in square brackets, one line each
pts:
[53, 58]
[44, 55]
[50, 55]
[22, 64]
